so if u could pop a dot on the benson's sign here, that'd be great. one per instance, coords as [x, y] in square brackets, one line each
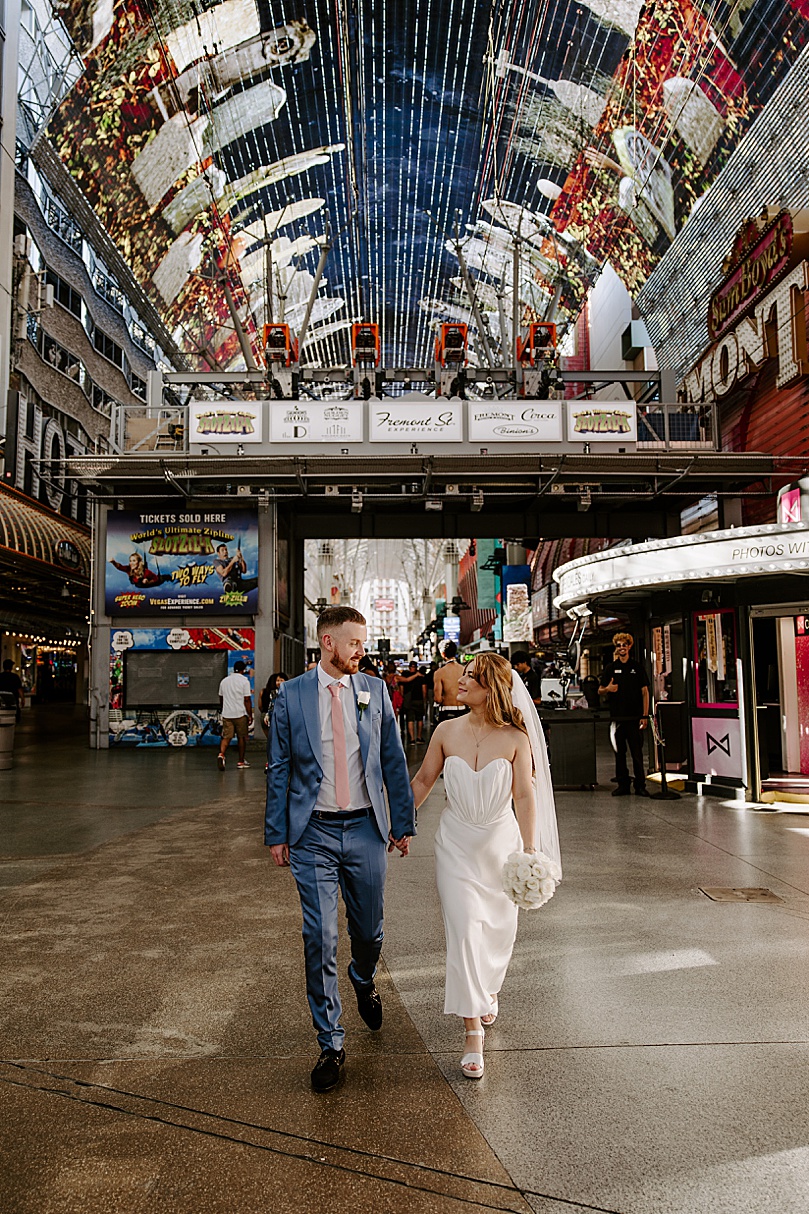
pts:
[757, 260]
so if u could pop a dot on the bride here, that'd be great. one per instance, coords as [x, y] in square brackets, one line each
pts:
[492, 757]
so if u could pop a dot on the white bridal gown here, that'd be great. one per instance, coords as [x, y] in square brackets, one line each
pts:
[476, 834]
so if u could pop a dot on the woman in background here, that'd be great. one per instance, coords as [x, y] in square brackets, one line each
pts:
[266, 700]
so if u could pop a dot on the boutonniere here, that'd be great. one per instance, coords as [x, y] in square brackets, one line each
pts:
[363, 700]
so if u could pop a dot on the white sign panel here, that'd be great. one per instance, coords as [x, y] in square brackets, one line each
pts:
[293, 421]
[602, 421]
[434, 421]
[717, 747]
[225, 423]
[537, 421]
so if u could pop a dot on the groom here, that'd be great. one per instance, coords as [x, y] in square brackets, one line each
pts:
[334, 749]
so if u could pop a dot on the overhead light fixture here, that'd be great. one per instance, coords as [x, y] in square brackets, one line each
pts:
[356, 501]
[477, 500]
[433, 503]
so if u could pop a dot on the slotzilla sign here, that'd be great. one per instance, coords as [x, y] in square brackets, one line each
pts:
[224, 424]
[311, 422]
[602, 421]
[508, 422]
[737, 553]
[435, 421]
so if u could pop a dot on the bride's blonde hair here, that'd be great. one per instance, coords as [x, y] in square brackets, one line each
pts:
[494, 674]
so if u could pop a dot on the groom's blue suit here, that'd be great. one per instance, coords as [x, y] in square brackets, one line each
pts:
[326, 853]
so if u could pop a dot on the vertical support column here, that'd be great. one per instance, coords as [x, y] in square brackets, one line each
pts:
[747, 704]
[296, 599]
[265, 619]
[99, 690]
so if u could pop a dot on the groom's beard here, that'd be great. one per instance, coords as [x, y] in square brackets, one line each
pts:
[345, 665]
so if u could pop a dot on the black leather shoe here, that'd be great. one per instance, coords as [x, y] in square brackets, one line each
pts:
[328, 1070]
[642, 792]
[619, 792]
[369, 1005]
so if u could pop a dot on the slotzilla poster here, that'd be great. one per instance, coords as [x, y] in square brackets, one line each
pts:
[201, 562]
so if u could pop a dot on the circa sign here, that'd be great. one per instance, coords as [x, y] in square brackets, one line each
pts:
[757, 259]
[502, 421]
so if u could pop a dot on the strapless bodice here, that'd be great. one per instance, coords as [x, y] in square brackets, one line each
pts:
[478, 796]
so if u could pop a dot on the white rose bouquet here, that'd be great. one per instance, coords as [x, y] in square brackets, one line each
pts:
[530, 879]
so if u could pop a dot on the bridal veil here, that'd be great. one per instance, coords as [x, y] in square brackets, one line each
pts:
[547, 840]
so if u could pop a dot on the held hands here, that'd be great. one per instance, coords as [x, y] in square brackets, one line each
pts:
[280, 854]
[402, 845]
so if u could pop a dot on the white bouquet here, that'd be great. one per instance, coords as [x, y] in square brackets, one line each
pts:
[530, 880]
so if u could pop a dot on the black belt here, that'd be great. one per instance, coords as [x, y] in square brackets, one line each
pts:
[343, 815]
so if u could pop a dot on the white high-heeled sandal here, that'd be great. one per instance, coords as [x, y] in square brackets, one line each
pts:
[472, 1059]
[490, 1017]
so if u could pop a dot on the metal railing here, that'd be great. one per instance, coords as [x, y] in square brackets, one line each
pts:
[678, 427]
[137, 429]
[660, 427]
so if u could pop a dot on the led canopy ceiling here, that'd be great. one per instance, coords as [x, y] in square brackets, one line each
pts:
[436, 161]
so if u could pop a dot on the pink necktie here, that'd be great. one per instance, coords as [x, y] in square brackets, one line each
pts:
[341, 786]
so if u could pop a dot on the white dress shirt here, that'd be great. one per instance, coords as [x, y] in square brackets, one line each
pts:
[327, 797]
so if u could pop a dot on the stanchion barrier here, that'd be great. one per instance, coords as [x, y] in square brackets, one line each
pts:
[666, 793]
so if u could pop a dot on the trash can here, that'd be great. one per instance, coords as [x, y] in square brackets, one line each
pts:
[8, 722]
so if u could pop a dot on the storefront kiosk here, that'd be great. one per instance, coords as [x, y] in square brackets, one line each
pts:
[726, 616]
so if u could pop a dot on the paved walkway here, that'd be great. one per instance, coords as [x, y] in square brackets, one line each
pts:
[650, 1056]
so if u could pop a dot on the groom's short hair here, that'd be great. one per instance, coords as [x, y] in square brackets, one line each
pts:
[333, 617]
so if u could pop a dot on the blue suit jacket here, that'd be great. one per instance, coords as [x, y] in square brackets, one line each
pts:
[295, 756]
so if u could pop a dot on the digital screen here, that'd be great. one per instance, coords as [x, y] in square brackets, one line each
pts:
[155, 679]
[206, 135]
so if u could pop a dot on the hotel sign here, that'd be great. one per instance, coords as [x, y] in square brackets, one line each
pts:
[310, 422]
[515, 421]
[757, 260]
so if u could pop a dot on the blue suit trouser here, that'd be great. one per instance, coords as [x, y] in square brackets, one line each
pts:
[352, 857]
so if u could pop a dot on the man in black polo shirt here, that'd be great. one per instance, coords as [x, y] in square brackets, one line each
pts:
[521, 662]
[626, 686]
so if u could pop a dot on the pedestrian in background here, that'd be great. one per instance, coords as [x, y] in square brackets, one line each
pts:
[236, 707]
[626, 685]
[11, 682]
[266, 700]
[521, 662]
